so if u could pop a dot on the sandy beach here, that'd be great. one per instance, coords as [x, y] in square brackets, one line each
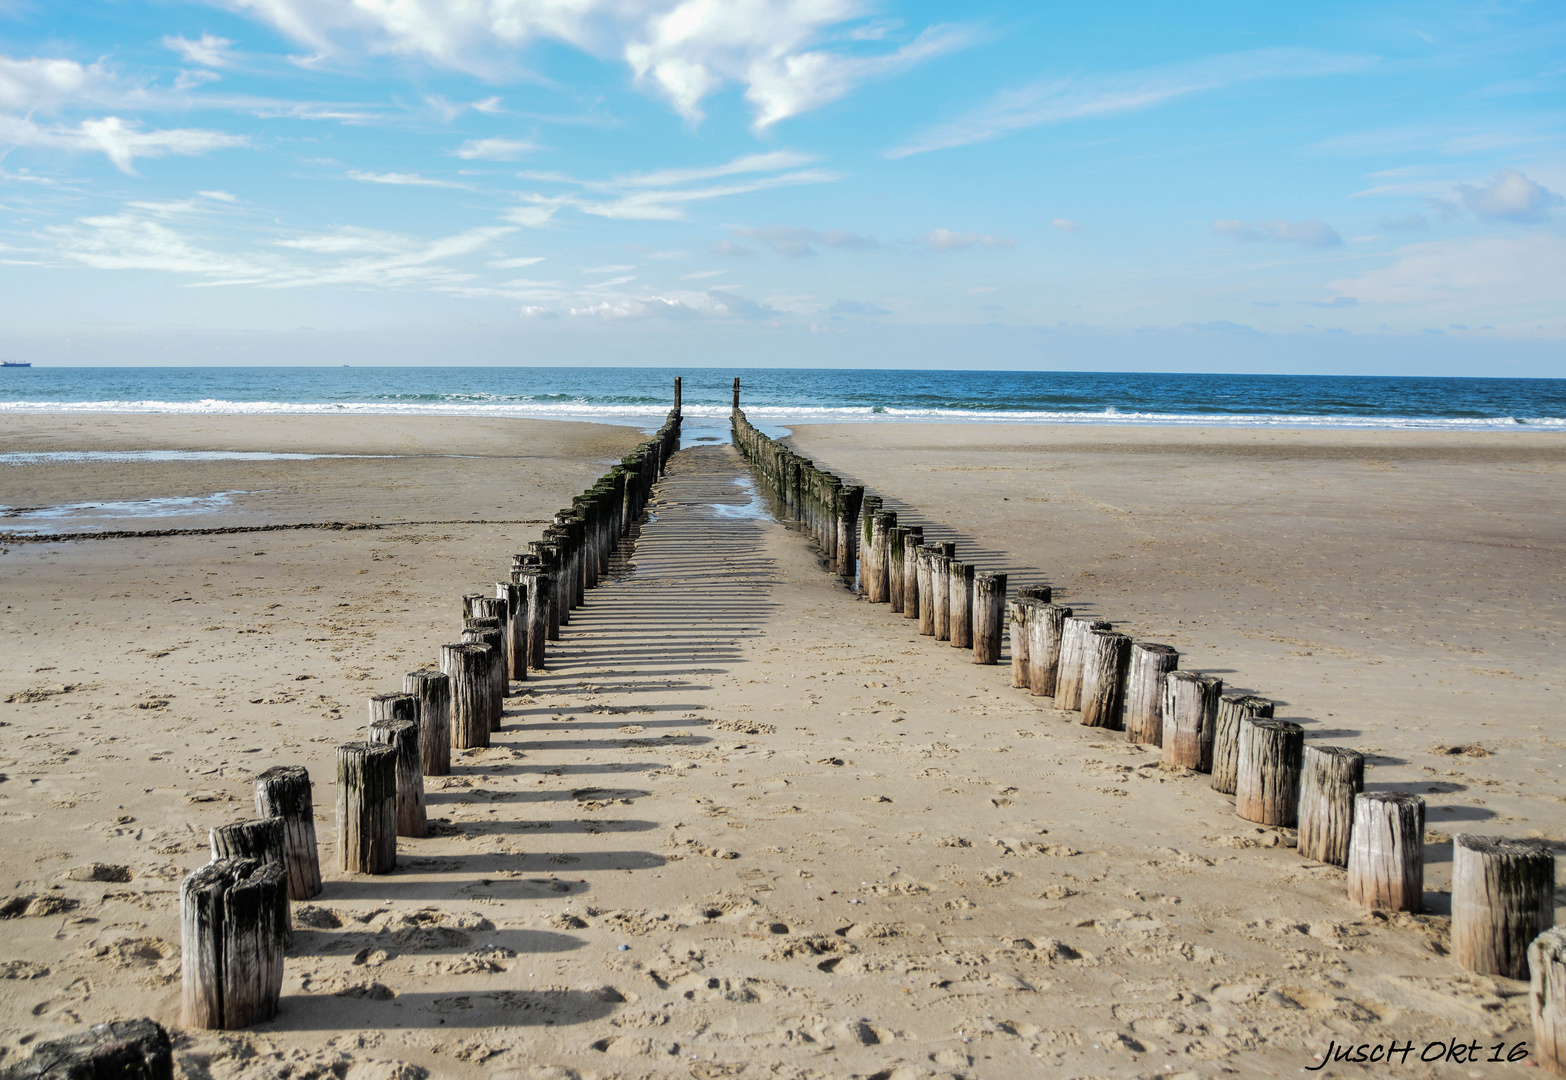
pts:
[748, 825]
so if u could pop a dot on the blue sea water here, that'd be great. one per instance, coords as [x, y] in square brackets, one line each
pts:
[641, 396]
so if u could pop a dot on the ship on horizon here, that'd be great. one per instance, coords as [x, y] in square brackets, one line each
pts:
[15, 363]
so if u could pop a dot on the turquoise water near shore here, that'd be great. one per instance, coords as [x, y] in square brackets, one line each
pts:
[641, 396]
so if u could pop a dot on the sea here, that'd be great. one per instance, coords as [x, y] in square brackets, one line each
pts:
[778, 397]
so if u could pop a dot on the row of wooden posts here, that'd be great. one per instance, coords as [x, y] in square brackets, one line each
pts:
[1503, 891]
[234, 912]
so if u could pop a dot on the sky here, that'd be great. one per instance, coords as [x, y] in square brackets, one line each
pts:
[1364, 187]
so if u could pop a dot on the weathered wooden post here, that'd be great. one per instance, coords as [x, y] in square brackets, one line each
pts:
[496, 608]
[989, 616]
[736, 393]
[263, 841]
[848, 532]
[676, 395]
[1329, 779]
[1105, 660]
[910, 571]
[924, 576]
[1149, 667]
[894, 567]
[1547, 998]
[467, 668]
[137, 1049]
[1046, 628]
[402, 735]
[959, 611]
[1017, 632]
[283, 791]
[433, 689]
[873, 574]
[1386, 864]
[1503, 897]
[366, 808]
[1190, 711]
[1267, 784]
[941, 587]
[539, 587]
[1232, 710]
[488, 632]
[231, 941]
[514, 593]
[1073, 655]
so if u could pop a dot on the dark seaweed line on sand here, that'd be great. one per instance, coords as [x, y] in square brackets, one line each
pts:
[336, 526]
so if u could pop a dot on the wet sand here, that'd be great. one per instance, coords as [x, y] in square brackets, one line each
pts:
[748, 825]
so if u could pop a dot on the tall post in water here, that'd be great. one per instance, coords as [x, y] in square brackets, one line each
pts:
[676, 395]
[736, 393]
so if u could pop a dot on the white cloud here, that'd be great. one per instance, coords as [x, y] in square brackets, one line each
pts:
[1509, 196]
[701, 274]
[494, 149]
[207, 50]
[668, 204]
[1315, 234]
[1066, 225]
[121, 141]
[42, 83]
[1055, 101]
[611, 269]
[682, 50]
[220, 196]
[946, 240]
[655, 307]
[729, 247]
[516, 264]
[1485, 275]
[403, 180]
[775, 161]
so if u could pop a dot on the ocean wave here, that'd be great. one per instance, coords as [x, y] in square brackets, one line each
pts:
[638, 413]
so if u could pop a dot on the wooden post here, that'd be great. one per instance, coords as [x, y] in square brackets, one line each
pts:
[262, 840]
[433, 689]
[1386, 863]
[366, 808]
[467, 668]
[497, 608]
[1232, 710]
[1073, 655]
[1017, 631]
[924, 577]
[1046, 627]
[1547, 998]
[283, 791]
[1267, 783]
[941, 590]
[736, 394]
[1035, 592]
[1150, 666]
[231, 942]
[676, 395]
[1190, 711]
[959, 612]
[848, 532]
[403, 736]
[1105, 659]
[895, 539]
[910, 571]
[539, 586]
[122, 1049]
[878, 588]
[1503, 896]
[989, 616]
[488, 632]
[1329, 779]
[515, 595]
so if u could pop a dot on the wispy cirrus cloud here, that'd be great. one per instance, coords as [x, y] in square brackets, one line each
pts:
[208, 50]
[947, 240]
[1059, 100]
[682, 51]
[121, 141]
[496, 149]
[1313, 234]
[404, 180]
[663, 195]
